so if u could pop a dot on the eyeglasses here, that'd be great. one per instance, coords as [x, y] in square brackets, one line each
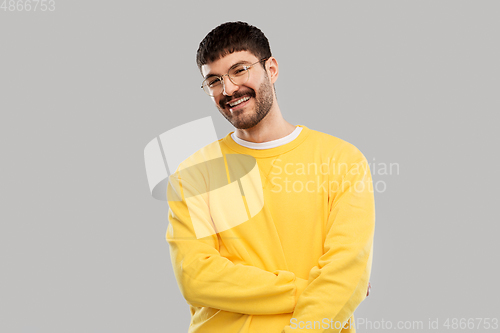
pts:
[238, 74]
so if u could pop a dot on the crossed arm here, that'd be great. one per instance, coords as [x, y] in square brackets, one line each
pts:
[205, 278]
[336, 285]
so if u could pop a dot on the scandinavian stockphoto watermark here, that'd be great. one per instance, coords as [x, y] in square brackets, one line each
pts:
[330, 176]
[163, 158]
[428, 324]
[239, 183]
[28, 5]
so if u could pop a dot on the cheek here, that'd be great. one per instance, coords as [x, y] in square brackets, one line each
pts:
[254, 84]
[257, 85]
[216, 102]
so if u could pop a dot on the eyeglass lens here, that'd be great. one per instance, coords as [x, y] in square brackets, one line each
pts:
[238, 75]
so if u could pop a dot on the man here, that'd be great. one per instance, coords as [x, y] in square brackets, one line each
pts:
[271, 228]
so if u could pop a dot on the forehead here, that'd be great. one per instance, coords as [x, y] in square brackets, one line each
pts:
[222, 65]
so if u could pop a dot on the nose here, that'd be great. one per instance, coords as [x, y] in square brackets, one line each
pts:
[228, 87]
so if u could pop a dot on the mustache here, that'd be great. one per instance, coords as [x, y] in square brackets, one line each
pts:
[223, 101]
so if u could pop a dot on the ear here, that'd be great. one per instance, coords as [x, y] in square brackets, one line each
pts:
[272, 69]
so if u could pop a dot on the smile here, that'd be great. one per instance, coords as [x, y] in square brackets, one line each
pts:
[239, 101]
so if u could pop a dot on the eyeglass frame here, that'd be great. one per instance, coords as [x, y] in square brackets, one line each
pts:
[222, 76]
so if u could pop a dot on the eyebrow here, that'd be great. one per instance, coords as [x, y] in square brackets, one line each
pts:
[236, 64]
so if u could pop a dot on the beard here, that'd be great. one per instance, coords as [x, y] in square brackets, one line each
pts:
[263, 104]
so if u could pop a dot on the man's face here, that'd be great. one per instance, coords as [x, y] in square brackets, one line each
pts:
[258, 89]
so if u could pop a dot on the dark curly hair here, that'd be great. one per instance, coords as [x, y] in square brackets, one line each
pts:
[232, 37]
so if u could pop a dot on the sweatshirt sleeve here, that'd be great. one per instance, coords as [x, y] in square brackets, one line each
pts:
[205, 278]
[338, 284]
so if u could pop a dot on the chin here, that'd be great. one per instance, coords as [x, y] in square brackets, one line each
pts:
[246, 124]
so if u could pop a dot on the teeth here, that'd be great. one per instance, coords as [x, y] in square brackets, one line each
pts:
[241, 100]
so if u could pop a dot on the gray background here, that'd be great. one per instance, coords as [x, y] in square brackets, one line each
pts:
[85, 88]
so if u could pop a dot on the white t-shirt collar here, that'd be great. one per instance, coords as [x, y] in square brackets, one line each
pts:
[269, 144]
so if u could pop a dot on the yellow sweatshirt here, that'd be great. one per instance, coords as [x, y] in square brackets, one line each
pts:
[277, 240]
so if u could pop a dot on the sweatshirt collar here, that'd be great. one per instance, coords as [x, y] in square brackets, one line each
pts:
[231, 144]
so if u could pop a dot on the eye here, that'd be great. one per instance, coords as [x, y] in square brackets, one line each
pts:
[213, 82]
[239, 70]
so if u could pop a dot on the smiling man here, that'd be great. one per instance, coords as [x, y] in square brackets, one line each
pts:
[238, 92]
[254, 91]
[259, 242]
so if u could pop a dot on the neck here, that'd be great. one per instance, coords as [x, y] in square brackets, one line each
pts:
[272, 127]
